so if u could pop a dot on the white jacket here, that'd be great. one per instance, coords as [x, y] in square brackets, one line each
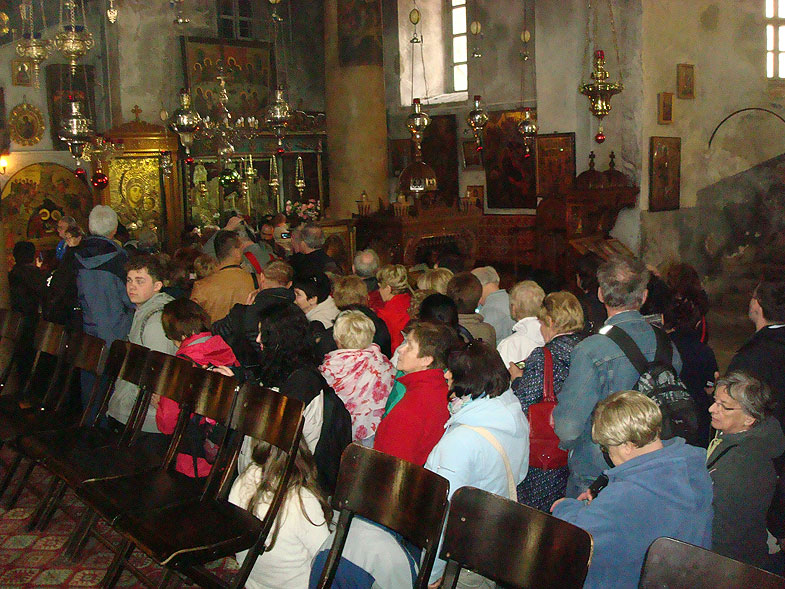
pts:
[526, 336]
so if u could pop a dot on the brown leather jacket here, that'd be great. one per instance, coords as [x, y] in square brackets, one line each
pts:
[221, 290]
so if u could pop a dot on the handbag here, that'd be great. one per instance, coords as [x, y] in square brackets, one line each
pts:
[511, 487]
[544, 451]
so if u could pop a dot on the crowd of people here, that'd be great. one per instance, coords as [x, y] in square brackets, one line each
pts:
[440, 366]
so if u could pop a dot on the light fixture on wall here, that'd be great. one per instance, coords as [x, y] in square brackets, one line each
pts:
[3, 164]
[32, 46]
[600, 90]
[111, 12]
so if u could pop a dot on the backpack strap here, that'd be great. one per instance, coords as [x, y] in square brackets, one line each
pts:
[253, 261]
[511, 486]
[629, 347]
[547, 377]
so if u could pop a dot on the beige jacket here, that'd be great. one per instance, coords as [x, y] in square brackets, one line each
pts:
[217, 293]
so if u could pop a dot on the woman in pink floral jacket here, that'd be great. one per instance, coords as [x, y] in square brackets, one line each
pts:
[358, 372]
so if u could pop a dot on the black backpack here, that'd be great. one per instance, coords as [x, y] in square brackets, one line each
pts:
[661, 383]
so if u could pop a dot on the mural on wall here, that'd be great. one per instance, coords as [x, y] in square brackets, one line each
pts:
[440, 151]
[36, 197]
[510, 172]
[359, 32]
[135, 192]
[5, 135]
[664, 173]
[248, 70]
[59, 85]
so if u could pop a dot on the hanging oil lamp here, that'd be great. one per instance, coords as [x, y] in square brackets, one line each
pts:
[477, 119]
[185, 121]
[76, 129]
[414, 18]
[31, 46]
[277, 117]
[476, 30]
[73, 41]
[600, 91]
[528, 128]
[418, 177]
[299, 177]
[274, 183]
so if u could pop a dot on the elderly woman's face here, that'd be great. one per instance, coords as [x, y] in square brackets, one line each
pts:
[727, 416]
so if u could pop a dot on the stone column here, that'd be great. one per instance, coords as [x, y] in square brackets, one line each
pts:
[356, 119]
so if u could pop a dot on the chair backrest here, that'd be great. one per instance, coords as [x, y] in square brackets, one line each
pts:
[128, 362]
[673, 563]
[49, 344]
[392, 492]
[512, 544]
[83, 352]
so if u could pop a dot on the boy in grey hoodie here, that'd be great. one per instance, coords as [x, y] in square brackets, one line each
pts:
[144, 280]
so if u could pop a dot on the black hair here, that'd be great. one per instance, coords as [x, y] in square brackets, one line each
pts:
[24, 252]
[225, 241]
[770, 295]
[439, 307]
[315, 285]
[477, 368]
[287, 343]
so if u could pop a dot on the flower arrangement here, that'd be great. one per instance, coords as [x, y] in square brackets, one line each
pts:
[309, 210]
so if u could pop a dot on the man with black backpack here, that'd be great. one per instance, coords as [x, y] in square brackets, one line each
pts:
[600, 367]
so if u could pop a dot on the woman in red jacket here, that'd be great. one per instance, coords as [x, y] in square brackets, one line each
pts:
[187, 324]
[416, 423]
[394, 289]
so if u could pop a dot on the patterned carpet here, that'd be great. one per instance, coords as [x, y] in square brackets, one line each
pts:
[35, 559]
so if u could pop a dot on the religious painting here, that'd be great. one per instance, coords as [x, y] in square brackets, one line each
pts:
[21, 72]
[26, 124]
[510, 170]
[60, 84]
[359, 32]
[440, 151]
[665, 108]
[5, 135]
[664, 173]
[685, 80]
[400, 155]
[248, 70]
[472, 157]
[36, 197]
[555, 163]
[135, 192]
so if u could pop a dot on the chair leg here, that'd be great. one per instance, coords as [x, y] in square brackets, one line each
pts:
[168, 574]
[116, 568]
[20, 486]
[9, 473]
[41, 507]
[77, 539]
[52, 506]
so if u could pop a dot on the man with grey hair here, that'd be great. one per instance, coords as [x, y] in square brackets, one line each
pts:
[365, 265]
[599, 367]
[494, 302]
[310, 258]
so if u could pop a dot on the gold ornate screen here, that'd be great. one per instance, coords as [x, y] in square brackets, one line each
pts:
[135, 192]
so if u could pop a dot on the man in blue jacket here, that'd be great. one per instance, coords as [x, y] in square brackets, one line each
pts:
[656, 488]
[598, 367]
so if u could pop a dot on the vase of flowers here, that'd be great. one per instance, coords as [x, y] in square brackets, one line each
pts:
[303, 211]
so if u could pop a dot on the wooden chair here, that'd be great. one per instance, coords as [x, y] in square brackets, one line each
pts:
[185, 536]
[512, 544]
[679, 565]
[392, 492]
[10, 325]
[82, 352]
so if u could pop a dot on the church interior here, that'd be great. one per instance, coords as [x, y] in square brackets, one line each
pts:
[519, 133]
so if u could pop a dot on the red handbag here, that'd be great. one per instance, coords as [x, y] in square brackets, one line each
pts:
[544, 451]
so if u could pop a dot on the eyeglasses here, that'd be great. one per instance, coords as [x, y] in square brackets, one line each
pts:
[725, 407]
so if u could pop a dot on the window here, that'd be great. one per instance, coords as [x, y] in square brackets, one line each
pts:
[775, 39]
[236, 19]
[460, 47]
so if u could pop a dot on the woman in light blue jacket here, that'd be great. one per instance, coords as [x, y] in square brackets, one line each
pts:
[486, 440]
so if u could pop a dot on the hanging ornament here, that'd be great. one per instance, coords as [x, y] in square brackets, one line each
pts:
[80, 173]
[165, 163]
[111, 12]
[76, 129]
[414, 18]
[189, 161]
[477, 119]
[229, 177]
[31, 46]
[179, 19]
[99, 179]
[299, 177]
[274, 182]
[418, 177]
[600, 90]
[275, 16]
[528, 128]
[74, 40]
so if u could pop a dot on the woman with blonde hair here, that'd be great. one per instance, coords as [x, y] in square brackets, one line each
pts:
[359, 373]
[561, 321]
[435, 279]
[394, 290]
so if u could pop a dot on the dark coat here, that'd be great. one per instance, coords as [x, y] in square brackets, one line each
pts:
[26, 283]
[315, 262]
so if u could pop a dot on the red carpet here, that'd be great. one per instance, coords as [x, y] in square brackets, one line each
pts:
[34, 559]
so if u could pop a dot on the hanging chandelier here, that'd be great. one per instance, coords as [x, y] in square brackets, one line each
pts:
[185, 121]
[527, 126]
[477, 119]
[278, 116]
[74, 40]
[32, 46]
[600, 90]
[418, 177]
[76, 129]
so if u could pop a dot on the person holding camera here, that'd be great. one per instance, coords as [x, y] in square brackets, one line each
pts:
[656, 488]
